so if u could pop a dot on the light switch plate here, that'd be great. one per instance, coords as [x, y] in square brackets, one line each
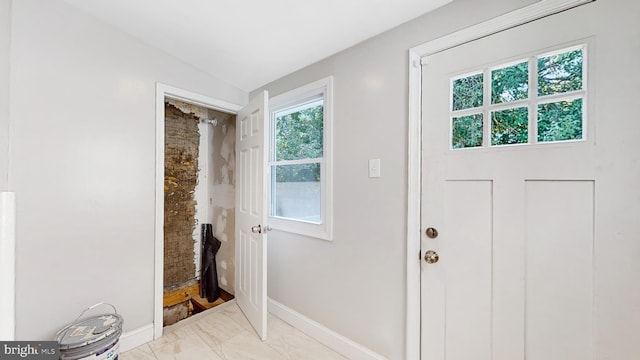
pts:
[374, 168]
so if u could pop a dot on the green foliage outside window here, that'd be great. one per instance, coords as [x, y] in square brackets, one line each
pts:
[299, 135]
[510, 83]
[467, 131]
[467, 92]
[560, 73]
[509, 126]
[559, 120]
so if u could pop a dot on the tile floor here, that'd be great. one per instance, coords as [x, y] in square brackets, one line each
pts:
[224, 333]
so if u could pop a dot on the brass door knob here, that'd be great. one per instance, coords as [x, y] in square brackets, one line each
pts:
[432, 233]
[431, 257]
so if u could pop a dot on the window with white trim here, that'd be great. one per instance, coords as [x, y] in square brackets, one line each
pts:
[539, 99]
[300, 160]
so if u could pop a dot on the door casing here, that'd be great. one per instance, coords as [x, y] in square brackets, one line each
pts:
[417, 58]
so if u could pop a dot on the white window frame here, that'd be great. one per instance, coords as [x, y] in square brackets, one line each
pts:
[290, 100]
[531, 103]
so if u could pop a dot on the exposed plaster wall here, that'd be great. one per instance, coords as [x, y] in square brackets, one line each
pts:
[201, 192]
[197, 111]
[182, 140]
[215, 191]
[223, 175]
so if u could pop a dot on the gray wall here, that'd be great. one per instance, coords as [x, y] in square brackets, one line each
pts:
[5, 47]
[355, 285]
[83, 162]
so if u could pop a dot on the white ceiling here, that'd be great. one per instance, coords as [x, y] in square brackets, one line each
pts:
[248, 43]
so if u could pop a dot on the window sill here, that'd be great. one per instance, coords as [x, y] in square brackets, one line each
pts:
[311, 230]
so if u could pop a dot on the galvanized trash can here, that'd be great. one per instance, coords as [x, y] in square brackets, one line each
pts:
[95, 338]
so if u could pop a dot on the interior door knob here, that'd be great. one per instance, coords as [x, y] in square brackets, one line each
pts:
[259, 229]
[431, 257]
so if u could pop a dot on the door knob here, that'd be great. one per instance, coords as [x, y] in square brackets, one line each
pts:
[258, 229]
[431, 257]
[432, 233]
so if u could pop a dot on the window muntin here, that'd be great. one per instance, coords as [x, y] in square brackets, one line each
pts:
[535, 100]
[299, 160]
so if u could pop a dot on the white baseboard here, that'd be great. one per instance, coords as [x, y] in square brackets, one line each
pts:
[321, 333]
[132, 339]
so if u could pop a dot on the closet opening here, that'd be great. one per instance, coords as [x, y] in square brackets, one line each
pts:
[199, 209]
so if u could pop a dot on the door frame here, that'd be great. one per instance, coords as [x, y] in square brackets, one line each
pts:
[8, 265]
[167, 91]
[417, 58]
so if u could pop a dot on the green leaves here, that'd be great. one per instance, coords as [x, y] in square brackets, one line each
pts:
[560, 121]
[467, 92]
[467, 131]
[299, 135]
[510, 83]
[509, 126]
[560, 73]
[557, 101]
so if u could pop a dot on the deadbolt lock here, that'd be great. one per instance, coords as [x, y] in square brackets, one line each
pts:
[432, 233]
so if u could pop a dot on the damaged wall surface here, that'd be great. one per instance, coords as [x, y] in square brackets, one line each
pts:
[182, 139]
[214, 193]
[223, 181]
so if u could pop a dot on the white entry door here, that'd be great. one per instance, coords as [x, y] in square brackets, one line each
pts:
[251, 212]
[531, 185]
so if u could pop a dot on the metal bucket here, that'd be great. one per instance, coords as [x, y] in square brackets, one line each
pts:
[95, 338]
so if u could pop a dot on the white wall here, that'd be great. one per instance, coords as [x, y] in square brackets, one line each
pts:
[82, 163]
[355, 285]
[5, 48]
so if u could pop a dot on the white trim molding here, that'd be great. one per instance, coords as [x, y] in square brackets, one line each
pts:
[340, 344]
[291, 100]
[7, 265]
[418, 57]
[132, 339]
[166, 91]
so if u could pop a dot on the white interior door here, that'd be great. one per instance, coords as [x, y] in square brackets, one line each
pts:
[537, 242]
[251, 212]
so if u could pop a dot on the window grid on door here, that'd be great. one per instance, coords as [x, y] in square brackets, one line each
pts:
[539, 99]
